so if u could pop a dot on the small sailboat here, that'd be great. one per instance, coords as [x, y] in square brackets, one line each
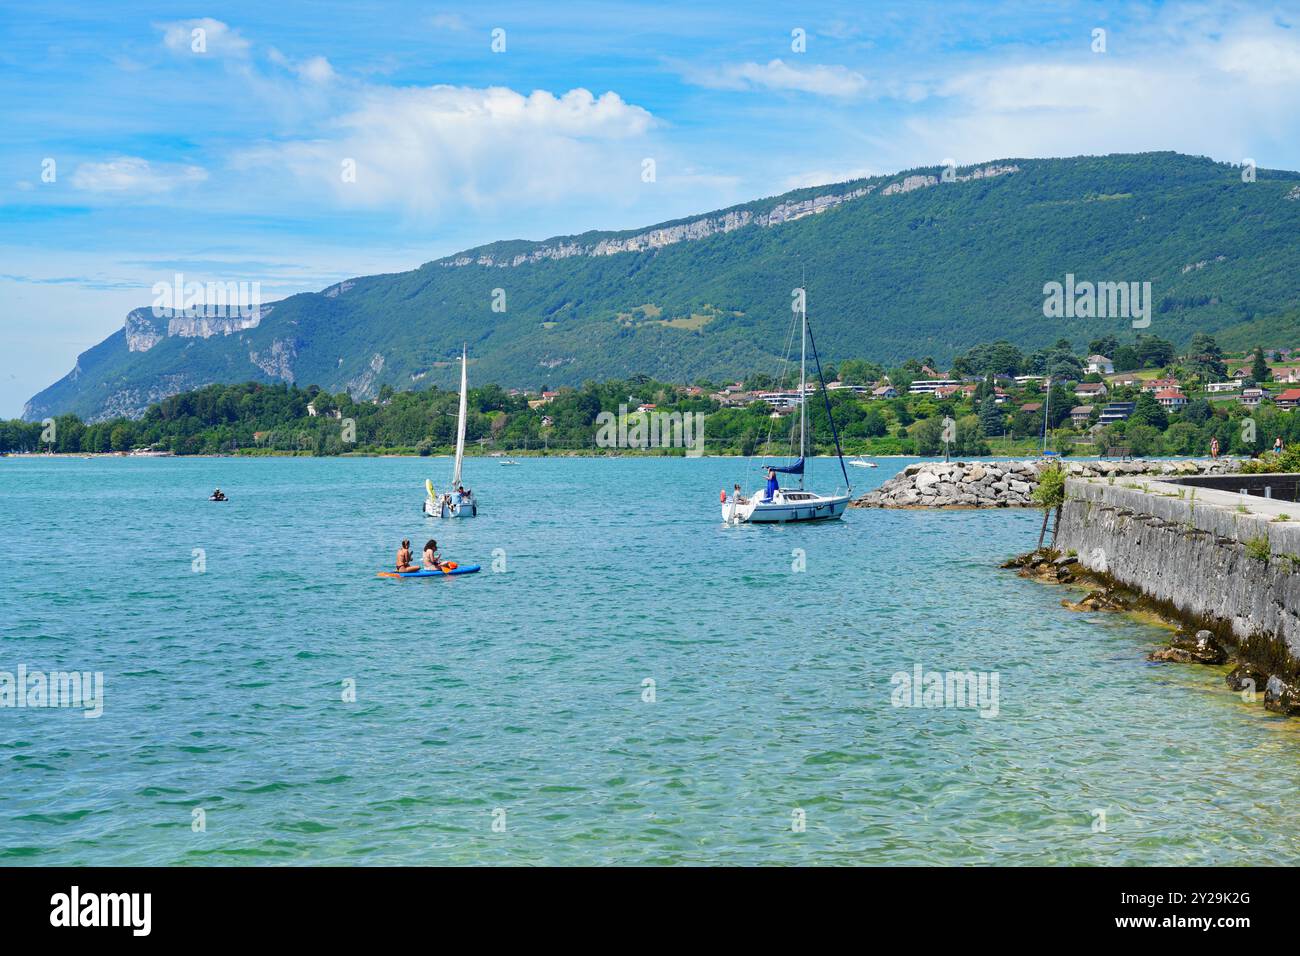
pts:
[459, 502]
[774, 504]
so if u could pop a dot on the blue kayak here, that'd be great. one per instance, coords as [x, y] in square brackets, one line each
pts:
[459, 569]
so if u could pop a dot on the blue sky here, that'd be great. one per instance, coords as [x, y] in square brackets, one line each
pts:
[227, 163]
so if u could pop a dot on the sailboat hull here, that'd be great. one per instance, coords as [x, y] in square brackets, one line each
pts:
[443, 509]
[781, 510]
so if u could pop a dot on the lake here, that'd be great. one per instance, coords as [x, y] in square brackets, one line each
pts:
[627, 681]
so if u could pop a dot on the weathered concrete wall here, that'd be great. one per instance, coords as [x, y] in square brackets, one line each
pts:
[1191, 550]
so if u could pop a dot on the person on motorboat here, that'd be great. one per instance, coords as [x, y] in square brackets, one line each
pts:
[432, 560]
[218, 495]
[404, 557]
[770, 490]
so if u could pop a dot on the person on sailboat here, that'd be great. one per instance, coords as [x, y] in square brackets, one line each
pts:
[769, 492]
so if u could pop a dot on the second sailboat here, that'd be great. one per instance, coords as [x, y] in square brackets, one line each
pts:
[459, 502]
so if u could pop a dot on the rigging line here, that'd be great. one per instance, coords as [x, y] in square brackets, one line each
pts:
[826, 397]
[789, 345]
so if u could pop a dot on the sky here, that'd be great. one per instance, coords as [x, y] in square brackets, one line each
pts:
[297, 144]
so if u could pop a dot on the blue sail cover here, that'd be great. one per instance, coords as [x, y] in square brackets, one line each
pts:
[795, 469]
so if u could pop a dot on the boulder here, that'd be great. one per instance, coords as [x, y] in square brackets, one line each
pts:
[1281, 697]
[1246, 676]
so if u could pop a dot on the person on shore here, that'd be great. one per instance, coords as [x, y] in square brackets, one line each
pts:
[769, 491]
[404, 557]
[1214, 447]
[432, 562]
[1277, 445]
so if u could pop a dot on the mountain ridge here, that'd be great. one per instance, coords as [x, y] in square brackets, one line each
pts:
[703, 295]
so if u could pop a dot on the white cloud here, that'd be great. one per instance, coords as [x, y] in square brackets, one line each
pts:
[779, 75]
[314, 69]
[1228, 93]
[131, 174]
[423, 148]
[218, 39]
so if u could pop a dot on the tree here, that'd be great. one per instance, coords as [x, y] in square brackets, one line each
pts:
[999, 358]
[990, 417]
[1107, 345]
[1205, 359]
[1126, 359]
[928, 436]
[1061, 401]
[1154, 352]
[1149, 412]
[1259, 370]
[1049, 495]
[1198, 411]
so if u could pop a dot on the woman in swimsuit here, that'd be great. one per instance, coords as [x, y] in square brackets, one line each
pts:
[432, 562]
[404, 558]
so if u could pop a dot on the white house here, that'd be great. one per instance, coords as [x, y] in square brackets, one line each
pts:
[1100, 364]
[923, 386]
[1171, 398]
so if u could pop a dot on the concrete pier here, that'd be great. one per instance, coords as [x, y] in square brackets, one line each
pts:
[1210, 553]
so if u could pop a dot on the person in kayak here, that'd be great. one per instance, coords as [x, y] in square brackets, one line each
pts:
[404, 558]
[432, 562]
[769, 492]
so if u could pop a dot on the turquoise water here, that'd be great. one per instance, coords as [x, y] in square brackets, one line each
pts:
[522, 690]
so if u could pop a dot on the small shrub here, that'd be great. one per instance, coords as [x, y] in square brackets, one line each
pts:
[1050, 492]
[1258, 548]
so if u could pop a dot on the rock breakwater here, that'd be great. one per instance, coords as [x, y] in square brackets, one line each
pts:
[1010, 484]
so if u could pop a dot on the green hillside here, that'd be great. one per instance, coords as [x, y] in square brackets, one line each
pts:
[890, 274]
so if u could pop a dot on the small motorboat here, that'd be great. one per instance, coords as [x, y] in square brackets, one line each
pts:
[508, 461]
[861, 462]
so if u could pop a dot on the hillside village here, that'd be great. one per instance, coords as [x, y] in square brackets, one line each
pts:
[1111, 399]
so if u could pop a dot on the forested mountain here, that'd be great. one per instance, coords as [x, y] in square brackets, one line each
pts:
[925, 262]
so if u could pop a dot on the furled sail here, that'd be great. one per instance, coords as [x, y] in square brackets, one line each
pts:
[460, 424]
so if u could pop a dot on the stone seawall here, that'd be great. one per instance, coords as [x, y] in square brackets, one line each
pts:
[1211, 555]
[1008, 484]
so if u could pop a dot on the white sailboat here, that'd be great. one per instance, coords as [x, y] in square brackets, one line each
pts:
[774, 504]
[459, 502]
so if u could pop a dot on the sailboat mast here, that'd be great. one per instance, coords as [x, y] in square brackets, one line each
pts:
[803, 374]
[460, 422]
[1047, 408]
